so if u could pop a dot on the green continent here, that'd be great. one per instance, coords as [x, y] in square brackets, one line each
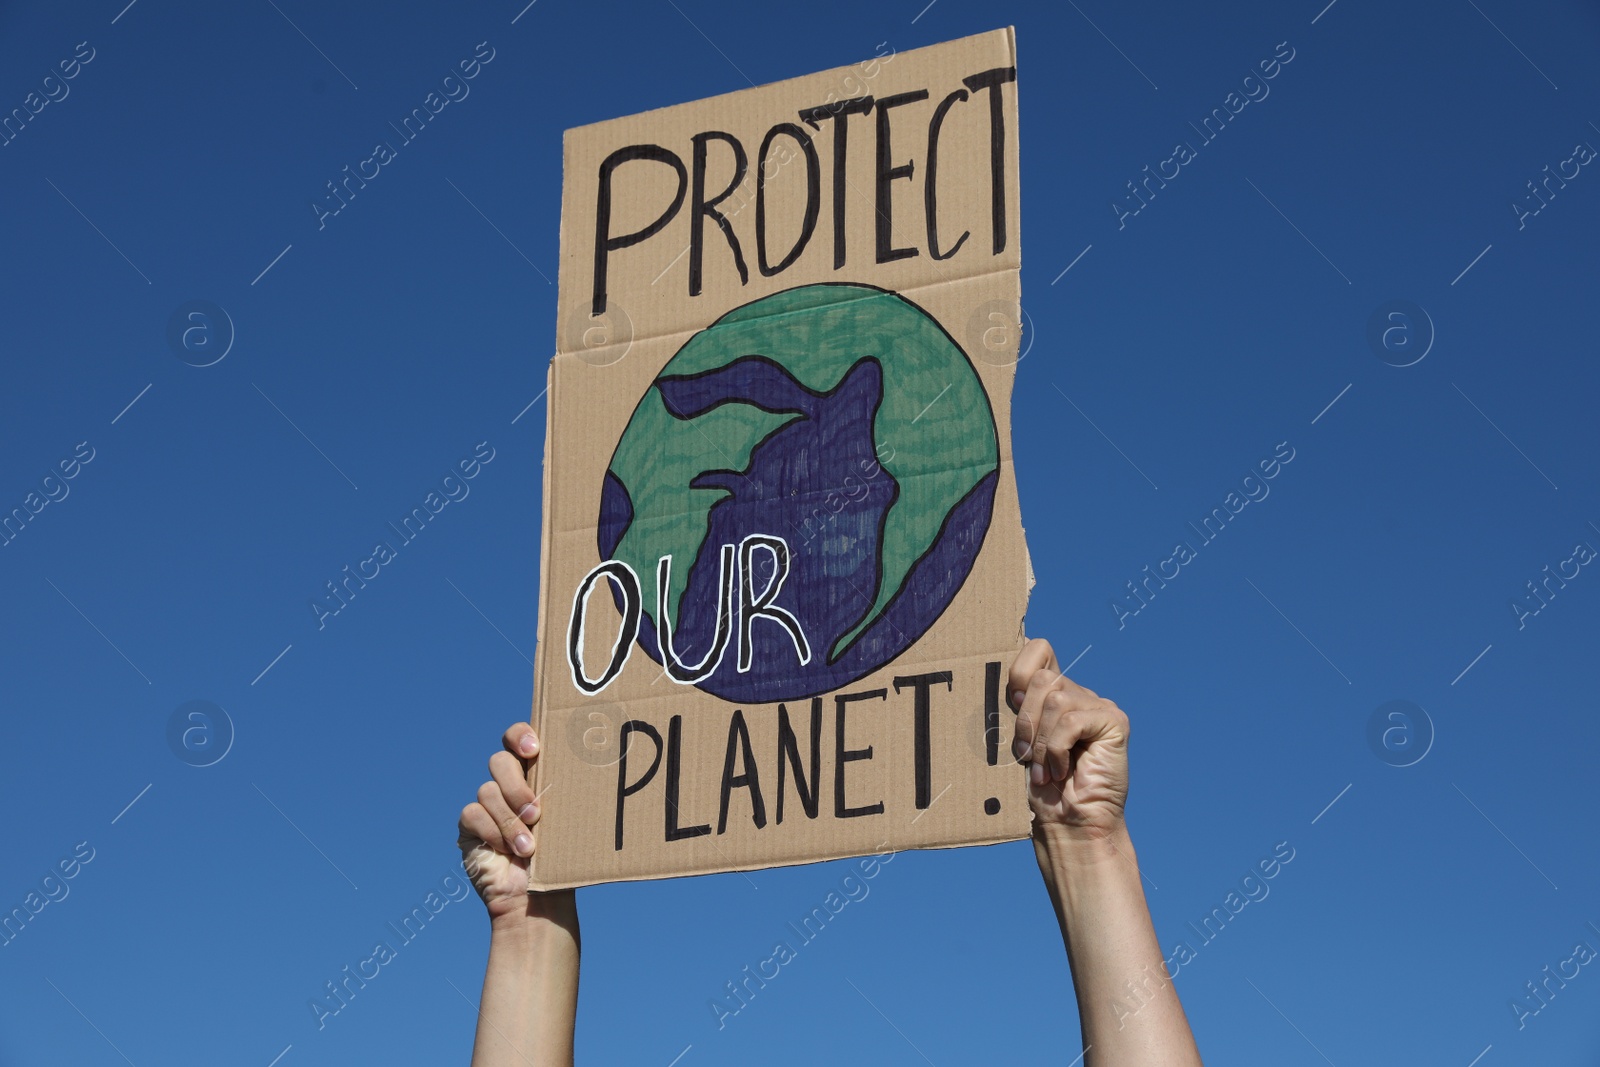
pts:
[657, 458]
[934, 431]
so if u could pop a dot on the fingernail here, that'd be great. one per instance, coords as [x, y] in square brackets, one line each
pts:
[528, 745]
[1020, 749]
[522, 844]
[529, 812]
[1017, 696]
[1035, 774]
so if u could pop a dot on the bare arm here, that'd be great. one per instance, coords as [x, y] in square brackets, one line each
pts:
[1076, 746]
[530, 988]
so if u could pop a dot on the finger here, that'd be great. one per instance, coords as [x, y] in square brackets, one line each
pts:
[1083, 725]
[513, 782]
[512, 830]
[477, 826]
[521, 741]
[1030, 709]
[1036, 655]
[1057, 704]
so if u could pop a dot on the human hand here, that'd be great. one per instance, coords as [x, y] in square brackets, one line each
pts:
[530, 986]
[495, 834]
[1075, 744]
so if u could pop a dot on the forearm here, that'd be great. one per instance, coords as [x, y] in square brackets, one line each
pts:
[1129, 1009]
[530, 989]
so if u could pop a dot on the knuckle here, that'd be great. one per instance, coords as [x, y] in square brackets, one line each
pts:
[488, 793]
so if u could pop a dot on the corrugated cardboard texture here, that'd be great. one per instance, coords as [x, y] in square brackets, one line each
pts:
[788, 327]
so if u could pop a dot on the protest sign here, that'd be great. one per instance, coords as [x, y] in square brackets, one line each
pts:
[782, 565]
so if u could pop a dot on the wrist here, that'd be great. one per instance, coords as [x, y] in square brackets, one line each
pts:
[1081, 847]
[1092, 877]
[1079, 860]
[537, 916]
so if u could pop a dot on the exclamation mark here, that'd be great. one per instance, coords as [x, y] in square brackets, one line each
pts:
[991, 725]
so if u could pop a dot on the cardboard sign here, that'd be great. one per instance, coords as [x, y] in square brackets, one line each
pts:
[783, 571]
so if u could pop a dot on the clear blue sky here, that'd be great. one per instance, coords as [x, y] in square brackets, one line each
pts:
[1177, 352]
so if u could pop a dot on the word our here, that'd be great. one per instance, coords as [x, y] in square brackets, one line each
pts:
[737, 570]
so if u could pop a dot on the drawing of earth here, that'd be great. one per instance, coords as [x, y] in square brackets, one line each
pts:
[840, 418]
